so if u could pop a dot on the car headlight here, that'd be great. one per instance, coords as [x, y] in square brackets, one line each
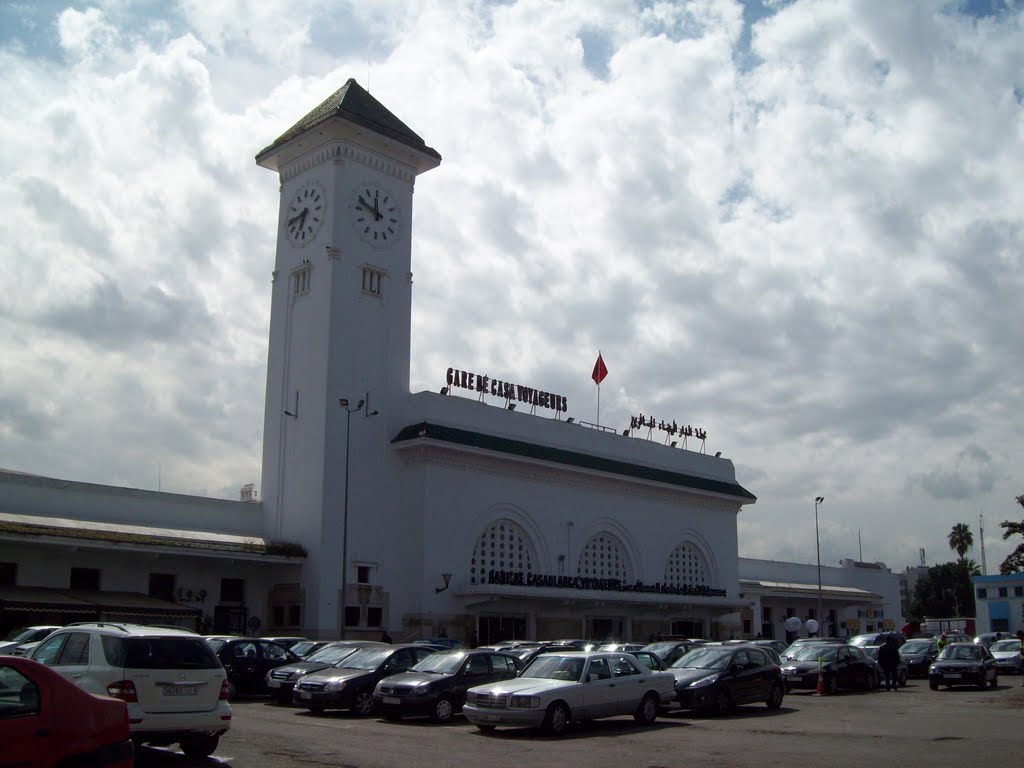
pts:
[704, 682]
[974, 670]
[334, 686]
[524, 702]
[789, 670]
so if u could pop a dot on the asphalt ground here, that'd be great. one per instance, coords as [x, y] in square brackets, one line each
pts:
[913, 727]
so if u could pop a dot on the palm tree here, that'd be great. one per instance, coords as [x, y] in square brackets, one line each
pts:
[961, 539]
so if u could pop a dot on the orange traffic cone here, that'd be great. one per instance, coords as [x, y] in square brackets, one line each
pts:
[820, 691]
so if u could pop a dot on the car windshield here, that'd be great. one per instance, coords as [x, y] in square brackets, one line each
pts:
[861, 640]
[441, 663]
[705, 658]
[303, 647]
[555, 667]
[661, 649]
[332, 654]
[216, 645]
[1005, 645]
[815, 652]
[915, 646]
[962, 653]
[364, 658]
[21, 637]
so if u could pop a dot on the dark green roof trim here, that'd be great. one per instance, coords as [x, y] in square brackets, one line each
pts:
[427, 431]
[353, 103]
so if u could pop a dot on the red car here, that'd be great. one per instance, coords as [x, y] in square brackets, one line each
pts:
[47, 720]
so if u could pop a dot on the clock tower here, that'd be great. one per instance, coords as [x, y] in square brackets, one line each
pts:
[340, 320]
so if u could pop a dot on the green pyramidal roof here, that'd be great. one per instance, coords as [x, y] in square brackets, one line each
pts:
[353, 103]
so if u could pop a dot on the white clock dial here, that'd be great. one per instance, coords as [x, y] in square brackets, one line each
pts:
[305, 214]
[376, 216]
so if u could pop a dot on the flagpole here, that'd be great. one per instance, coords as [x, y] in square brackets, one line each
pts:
[599, 395]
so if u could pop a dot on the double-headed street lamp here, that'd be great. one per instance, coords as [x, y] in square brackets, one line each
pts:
[343, 402]
[817, 544]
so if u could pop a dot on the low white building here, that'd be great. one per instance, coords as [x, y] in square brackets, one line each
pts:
[999, 603]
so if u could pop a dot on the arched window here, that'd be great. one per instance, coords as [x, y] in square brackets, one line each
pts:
[504, 546]
[687, 566]
[604, 557]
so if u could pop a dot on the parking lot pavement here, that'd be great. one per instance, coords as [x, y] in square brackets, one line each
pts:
[915, 726]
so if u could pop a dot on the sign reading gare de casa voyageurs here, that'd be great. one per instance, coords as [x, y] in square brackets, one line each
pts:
[487, 385]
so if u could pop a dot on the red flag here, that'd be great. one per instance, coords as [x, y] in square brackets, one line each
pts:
[600, 370]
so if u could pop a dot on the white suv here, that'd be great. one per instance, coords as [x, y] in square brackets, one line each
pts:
[175, 687]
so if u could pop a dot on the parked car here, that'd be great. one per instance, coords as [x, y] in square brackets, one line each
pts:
[626, 647]
[902, 672]
[174, 685]
[350, 685]
[1007, 654]
[280, 681]
[650, 660]
[987, 638]
[963, 664]
[287, 641]
[306, 648]
[670, 651]
[792, 649]
[716, 679]
[25, 635]
[247, 660]
[842, 666]
[558, 689]
[877, 638]
[440, 642]
[527, 653]
[47, 720]
[437, 685]
[918, 655]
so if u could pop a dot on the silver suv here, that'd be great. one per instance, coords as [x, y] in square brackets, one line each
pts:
[175, 687]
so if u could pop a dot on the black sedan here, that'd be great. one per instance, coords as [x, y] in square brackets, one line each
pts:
[841, 666]
[247, 660]
[281, 680]
[670, 651]
[902, 672]
[717, 678]
[437, 685]
[963, 664]
[918, 655]
[350, 685]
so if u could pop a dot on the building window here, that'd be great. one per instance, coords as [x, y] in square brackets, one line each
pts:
[295, 615]
[1002, 592]
[982, 592]
[351, 615]
[372, 281]
[766, 613]
[8, 574]
[374, 617]
[300, 281]
[504, 546]
[232, 590]
[686, 566]
[277, 616]
[603, 558]
[161, 585]
[1000, 625]
[85, 578]
[812, 614]
[362, 574]
[1017, 591]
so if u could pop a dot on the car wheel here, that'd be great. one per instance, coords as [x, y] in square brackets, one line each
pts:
[831, 685]
[442, 711]
[556, 721]
[995, 681]
[363, 704]
[485, 728]
[775, 697]
[721, 704]
[933, 685]
[901, 680]
[647, 712]
[199, 745]
[232, 690]
[316, 709]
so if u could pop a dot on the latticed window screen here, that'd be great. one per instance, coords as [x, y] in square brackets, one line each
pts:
[686, 566]
[502, 547]
[603, 558]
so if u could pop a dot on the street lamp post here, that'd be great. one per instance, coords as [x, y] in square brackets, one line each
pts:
[817, 545]
[343, 402]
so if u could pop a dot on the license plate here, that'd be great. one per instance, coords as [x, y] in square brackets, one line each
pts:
[306, 695]
[181, 690]
[952, 675]
[391, 700]
[273, 683]
[488, 718]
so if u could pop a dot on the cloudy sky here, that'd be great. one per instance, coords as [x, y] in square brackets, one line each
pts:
[796, 224]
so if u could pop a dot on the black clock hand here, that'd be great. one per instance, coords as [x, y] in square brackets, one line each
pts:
[377, 216]
[298, 216]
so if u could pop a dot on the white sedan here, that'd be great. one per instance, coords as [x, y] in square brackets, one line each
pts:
[558, 689]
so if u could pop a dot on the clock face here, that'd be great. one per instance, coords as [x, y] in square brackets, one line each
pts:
[305, 214]
[376, 216]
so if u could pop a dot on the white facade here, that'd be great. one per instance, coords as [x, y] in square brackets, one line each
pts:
[999, 603]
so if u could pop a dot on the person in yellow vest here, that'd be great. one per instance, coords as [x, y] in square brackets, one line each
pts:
[943, 642]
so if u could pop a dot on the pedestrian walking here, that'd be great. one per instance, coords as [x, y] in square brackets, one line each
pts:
[889, 659]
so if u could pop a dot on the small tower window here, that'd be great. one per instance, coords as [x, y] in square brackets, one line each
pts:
[300, 281]
[372, 281]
